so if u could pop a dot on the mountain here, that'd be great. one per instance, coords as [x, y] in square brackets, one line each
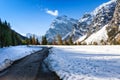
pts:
[101, 26]
[96, 29]
[62, 25]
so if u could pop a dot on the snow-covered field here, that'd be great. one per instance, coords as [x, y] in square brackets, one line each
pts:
[85, 62]
[10, 54]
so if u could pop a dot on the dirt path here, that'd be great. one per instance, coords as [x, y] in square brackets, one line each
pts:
[30, 68]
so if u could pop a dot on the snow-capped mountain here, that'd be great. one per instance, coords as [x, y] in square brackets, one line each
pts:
[62, 25]
[100, 17]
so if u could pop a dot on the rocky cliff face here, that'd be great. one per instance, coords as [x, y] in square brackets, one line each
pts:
[114, 26]
[116, 17]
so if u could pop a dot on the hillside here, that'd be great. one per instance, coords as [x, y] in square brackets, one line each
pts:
[8, 36]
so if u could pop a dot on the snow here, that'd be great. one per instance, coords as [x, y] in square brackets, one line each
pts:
[64, 37]
[98, 36]
[85, 62]
[81, 38]
[10, 54]
[84, 19]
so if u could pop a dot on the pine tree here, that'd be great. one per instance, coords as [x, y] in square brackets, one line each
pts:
[18, 40]
[59, 39]
[0, 33]
[37, 41]
[44, 40]
[70, 41]
[33, 40]
[14, 42]
[27, 41]
[7, 34]
[65, 42]
[30, 39]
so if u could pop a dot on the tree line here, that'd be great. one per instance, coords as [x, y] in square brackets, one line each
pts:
[57, 41]
[8, 36]
[31, 41]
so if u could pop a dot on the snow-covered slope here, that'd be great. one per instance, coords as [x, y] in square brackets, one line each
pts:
[98, 37]
[62, 25]
[10, 54]
[85, 62]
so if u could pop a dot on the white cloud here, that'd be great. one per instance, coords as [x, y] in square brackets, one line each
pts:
[53, 13]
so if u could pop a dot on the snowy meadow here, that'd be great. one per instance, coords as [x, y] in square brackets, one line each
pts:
[85, 62]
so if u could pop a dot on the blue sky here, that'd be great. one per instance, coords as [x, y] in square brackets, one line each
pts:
[35, 16]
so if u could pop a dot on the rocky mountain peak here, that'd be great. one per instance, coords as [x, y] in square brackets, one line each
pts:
[62, 25]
